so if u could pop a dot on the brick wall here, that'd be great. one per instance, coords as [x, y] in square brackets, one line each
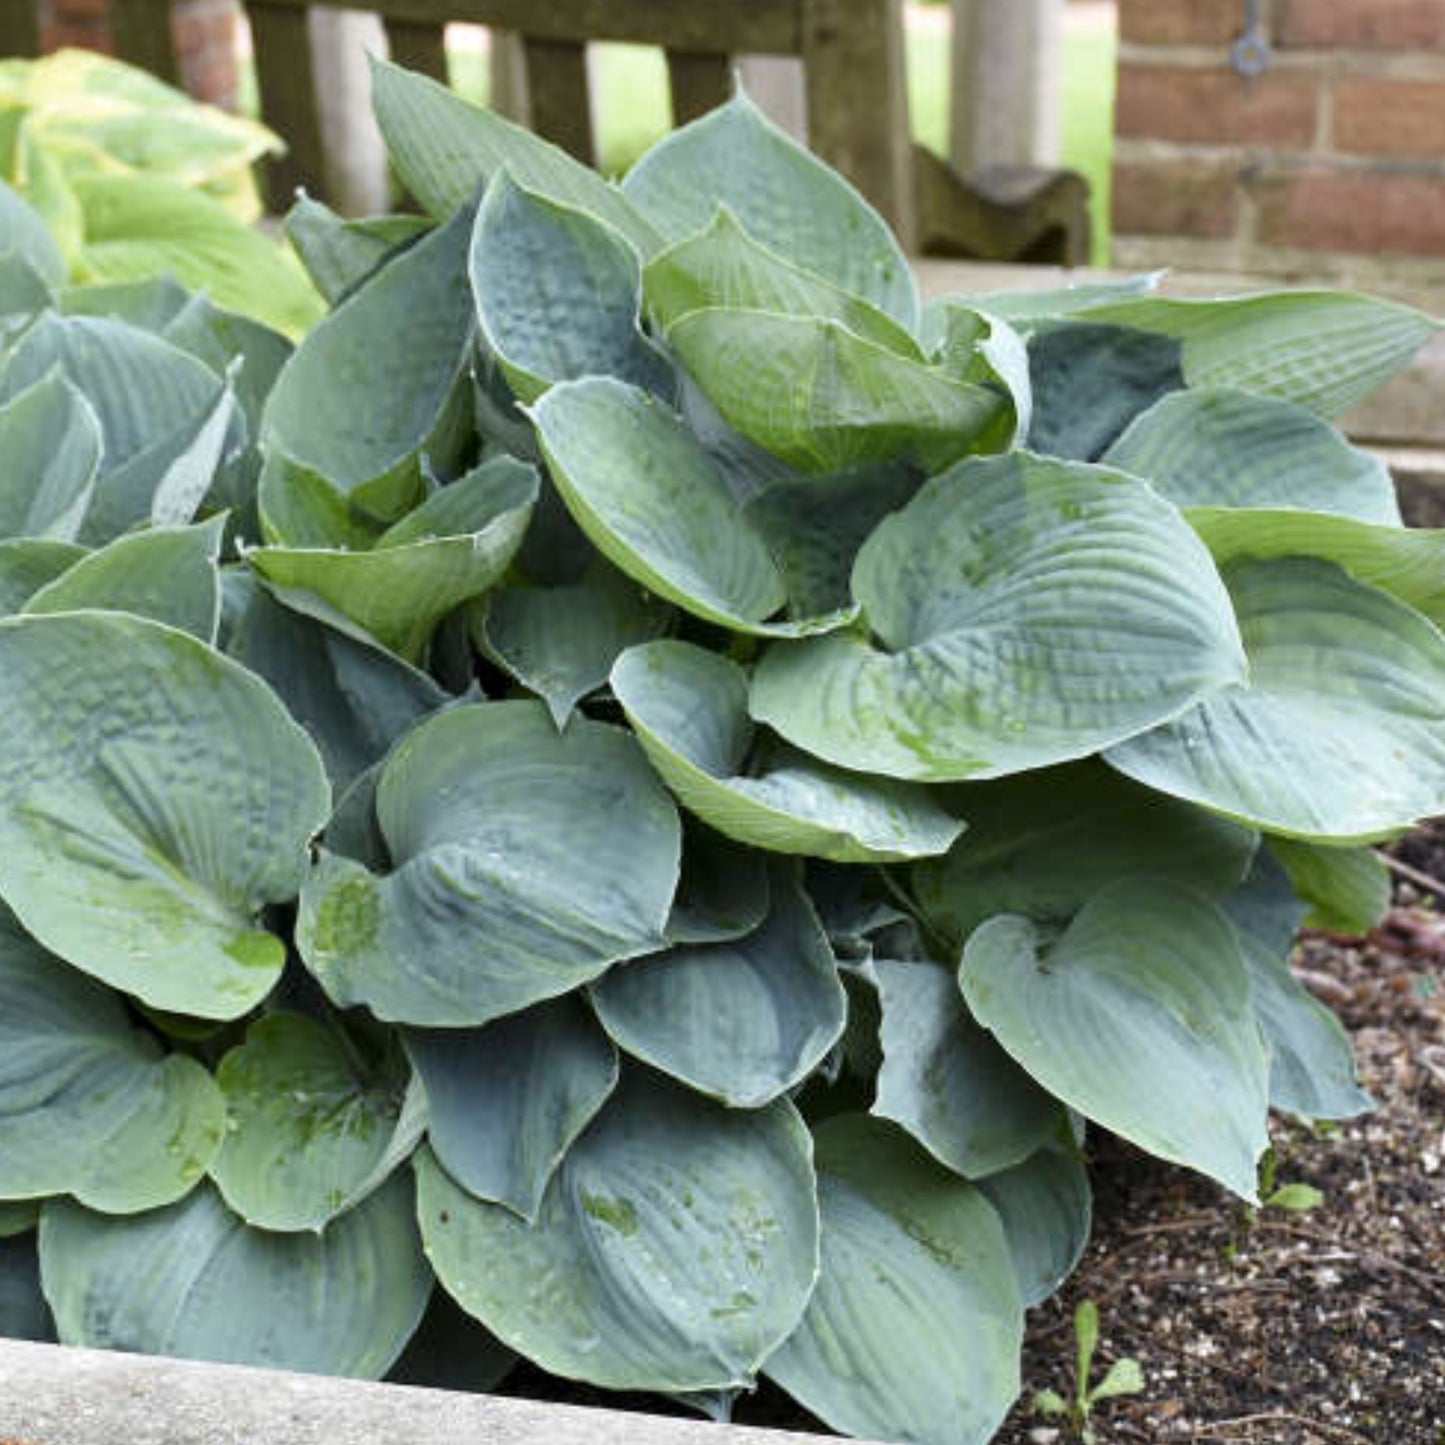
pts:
[205, 32]
[1331, 165]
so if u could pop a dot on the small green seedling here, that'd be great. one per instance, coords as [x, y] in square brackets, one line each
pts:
[1295, 1198]
[1124, 1377]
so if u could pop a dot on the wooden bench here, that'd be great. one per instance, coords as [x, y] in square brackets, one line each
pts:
[853, 57]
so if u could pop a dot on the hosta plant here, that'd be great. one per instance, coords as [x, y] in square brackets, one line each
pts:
[635, 808]
[135, 179]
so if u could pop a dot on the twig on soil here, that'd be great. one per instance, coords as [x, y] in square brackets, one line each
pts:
[1414, 875]
[1284, 1417]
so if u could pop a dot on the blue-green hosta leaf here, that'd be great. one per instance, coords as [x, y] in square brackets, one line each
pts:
[976, 347]
[641, 486]
[724, 267]
[742, 1022]
[1029, 612]
[1312, 1059]
[823, 399]
[561, 642]
[675, 1248]
[558, 294]
[140, 225]
[306, 1127]
[50, 439]
[29, 563]
[788, 201]
[1339, 734]
[353, 698]
[815, 527]
[18, 1216]
[23, 293]
[168, 575]
[1090, 381]
[195, 1281]
[340, 254]
[445, 151]
[1140, 1015]
[446, 552]
[1042, 844]
[23, 232]
[400, 342]
[141, 388]
[1221, 448]
[946, 1080]
[1047, 1210]
[1025, 307]
[1324, 350]
[24, 1315]
[139, 838]
[688, 707]
[526, 863]
[723, 892]
[505, 1103]
[166, 482]
[913, 1332]
[1408, 564]
[91, 1105]
[1348, 889]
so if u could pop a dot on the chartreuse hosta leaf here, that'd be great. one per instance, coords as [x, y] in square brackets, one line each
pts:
[1047, 1210]
[91, 1105]
[787, 201]
[1042, 844]
[140, 838]
[1140, 1015]
[50, 439]
[724, 267]
[445, 151]
[675, 1248]
[1324, 350]
[452, 548]
[688, 707]
[1348, 889]
[309, 1120]
[352, 697]
[195, 1281]
[1339, 733]
[1221, 448]
[138, 226]
[1406, 563]
[742, 1022]
[642, 487]
[913, 1332]
[558, 294]
[947, 1081]
[561, 642]
[816, 394]
[1312, 1060]
[506, 1102]
[1027, 611]
[24, 1315]
[526, 863]
[400, 342]
[168, 575]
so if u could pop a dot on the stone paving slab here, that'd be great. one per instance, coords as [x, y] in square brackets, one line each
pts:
[51, 1395]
